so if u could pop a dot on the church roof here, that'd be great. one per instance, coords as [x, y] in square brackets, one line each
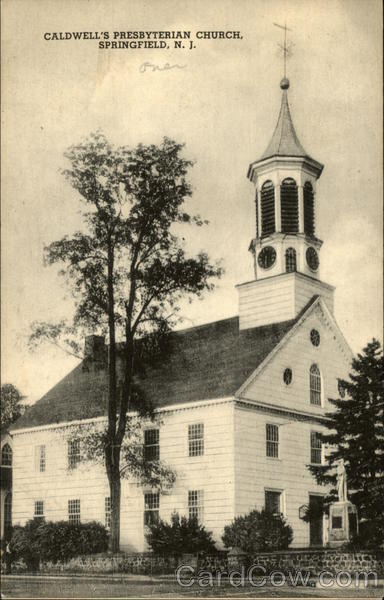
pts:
[284, 140]
[205, 362]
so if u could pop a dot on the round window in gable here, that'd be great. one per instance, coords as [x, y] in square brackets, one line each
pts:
[315, 337]
[287, 376]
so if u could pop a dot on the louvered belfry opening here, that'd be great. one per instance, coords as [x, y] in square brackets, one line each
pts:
[290, 260]
[289, 206]
[309, 209]
[267, 208]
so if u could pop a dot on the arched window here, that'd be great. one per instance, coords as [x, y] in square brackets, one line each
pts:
[7, 514]
[267, 208]
[309, 209]
[315, 385]
[289, 202]
[290, 260]
[6, 455]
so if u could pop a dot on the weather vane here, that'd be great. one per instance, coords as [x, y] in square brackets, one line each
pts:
[287, 49]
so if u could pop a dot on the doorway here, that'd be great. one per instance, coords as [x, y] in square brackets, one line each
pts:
[316, 521]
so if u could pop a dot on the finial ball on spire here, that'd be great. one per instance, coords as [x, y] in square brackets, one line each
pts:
[284, 83]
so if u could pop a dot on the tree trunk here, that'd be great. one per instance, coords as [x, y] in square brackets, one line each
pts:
[115, 495]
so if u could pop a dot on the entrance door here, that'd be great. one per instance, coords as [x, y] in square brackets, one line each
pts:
[316, 522]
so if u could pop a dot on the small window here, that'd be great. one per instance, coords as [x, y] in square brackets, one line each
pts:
[39, 508]
[290, 260]
[107, 512]
[315, 385]
[74, 511]
[40, 458]
[272, 437]
[73, 453]
[151, 444]
[341, 389]
[195, 505]
[196, 439]
[315, 337]
[273, 502]
[6, 456]
[151, 508]
[287, 376]
[316, 448]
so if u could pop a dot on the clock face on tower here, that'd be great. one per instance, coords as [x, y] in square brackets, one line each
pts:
[267, 257]
[312, 259]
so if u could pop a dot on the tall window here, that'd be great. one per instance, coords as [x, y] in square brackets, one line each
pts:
[316, 449]
[73, 453]
[196, 439]
[151, 444]
[151, 507]
[290, 260]
[272, 438]
[267, 208]
[196, 504]
[273, 502]
[7, 513]
[289, 202]
[309, 209]
[40, 458]
[74, 511]
[107, 511]
[315, 385]
[6, 456]
[39, 508]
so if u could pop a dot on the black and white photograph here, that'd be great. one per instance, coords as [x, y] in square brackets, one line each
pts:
[192, 299]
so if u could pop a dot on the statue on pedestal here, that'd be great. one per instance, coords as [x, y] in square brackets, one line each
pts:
[342, 481]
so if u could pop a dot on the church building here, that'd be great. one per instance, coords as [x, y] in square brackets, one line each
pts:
[241, 401]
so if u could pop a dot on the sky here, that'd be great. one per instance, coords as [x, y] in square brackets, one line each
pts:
[222, 102]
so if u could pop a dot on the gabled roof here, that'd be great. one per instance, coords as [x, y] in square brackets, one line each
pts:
[284, 140]
[205, 362]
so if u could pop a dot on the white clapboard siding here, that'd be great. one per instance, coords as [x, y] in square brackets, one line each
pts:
[213, 472]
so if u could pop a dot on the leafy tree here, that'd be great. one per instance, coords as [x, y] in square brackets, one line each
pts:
[11, 405]
[128, 270]
[258, 531]
[356, 435]
[180, 536]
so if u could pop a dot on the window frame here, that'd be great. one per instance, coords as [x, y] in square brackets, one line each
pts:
[196, 445]
[6, 455]
[36, 513]
[280, 493]
[315, 386]
[74, 516]
[40, 458]
[107, 512]
[196, 505]
[290, 260]
[73, 458]
[151, 507]
[314, 438]
[152, 446]
[272, 441]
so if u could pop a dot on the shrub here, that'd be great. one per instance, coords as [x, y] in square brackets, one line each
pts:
[56, 541]
[259, 531]
[180, 536]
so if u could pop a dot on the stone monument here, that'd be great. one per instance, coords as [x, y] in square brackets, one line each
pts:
[343, 522]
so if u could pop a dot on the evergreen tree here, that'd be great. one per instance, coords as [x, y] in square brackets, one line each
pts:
[357, 436]
[11, 405]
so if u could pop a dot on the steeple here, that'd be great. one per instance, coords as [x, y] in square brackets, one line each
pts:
[285, 248]
[284, 140]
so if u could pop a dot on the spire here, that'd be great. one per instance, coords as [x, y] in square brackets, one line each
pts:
[284, 141]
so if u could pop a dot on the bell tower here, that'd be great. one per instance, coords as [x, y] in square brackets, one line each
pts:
[285, 249]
